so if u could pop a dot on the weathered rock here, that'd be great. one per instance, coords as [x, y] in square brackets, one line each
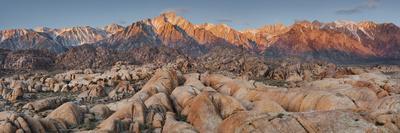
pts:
[386, 103]
[133, 113]
[334, 121]
[101, 111]
[69, 113]
[48, 103]
[202, 113]
[7, 127]
[94, 90]
[331, 121]
[260, 122]
[182, 96]
[159, 99]
[173, 126]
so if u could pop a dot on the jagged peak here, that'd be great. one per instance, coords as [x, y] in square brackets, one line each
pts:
[344, 22]
[113, 25]
[351, 25]
[113, 28]
[273, 28]
[169, 14]
[276, 25]
[367, 24]
[42, 29]
[222, 25]
[169, 17]
[15, 33]
[306, 24]
[140, 26]
[77, 28]
[21, 31]
[206, 25]
[250, 30]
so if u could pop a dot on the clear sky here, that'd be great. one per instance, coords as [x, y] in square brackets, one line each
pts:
[239, 14]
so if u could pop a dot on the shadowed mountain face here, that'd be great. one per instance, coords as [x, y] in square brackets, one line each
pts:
[339, 41]
[89, 56]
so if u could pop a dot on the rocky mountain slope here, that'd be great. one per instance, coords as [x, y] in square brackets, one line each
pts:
[113, 28]
[339, 41]
[19, 39]
[79, 35]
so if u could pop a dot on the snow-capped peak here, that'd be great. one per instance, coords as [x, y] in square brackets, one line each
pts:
[347, 26]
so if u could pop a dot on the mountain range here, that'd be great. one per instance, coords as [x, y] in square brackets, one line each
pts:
[339, 41]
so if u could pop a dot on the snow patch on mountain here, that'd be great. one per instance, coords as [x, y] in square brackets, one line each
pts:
[350, 27]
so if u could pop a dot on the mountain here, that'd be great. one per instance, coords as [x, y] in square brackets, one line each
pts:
[339, 41]
[113, 28]
[79, 35]
[230, 35]
[342, 41]
[309, 40]
[384, 39]
[76, 36]
[136, 35]
[199, 34]
[265, 35]
[28, 39]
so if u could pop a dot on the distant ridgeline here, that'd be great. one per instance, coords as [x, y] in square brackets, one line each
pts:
[338, 42]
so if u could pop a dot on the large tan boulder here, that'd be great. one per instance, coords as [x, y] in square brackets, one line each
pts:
[163, 80]
[386, 103]
[202, 113]
[362, 97]
[387, 120]
[94, 90]
[334, 121]
[326, 121]
[100, 111]
[160, 99]
[15, 91]
[193, 79]
[302, 100]
[266, 105]
[173, 126]
[131, 113]
[380, 92]
[243, 91]
[34, 124]
[226, 105]
[183, 96]
[68, 113]
[260, 122]
[7, 127]
[214, 80]
[236, 87]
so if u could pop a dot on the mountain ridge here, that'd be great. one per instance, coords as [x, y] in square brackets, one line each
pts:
[335, 41]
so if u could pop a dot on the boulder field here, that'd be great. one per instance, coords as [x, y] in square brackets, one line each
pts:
[147, 98]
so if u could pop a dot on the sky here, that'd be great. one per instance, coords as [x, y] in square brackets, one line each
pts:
[240, 14]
